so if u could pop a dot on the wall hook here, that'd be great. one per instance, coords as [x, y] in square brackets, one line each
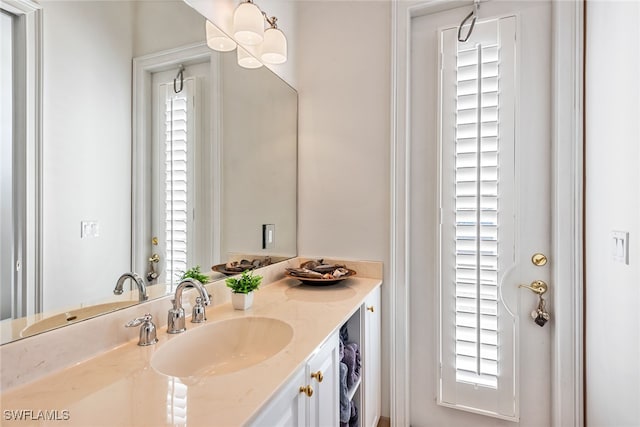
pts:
[181, 77]
[472, 15]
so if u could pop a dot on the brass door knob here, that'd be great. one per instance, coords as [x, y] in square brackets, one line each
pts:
[308, 390]
[537, 286]
[318, 376]
[370, 308]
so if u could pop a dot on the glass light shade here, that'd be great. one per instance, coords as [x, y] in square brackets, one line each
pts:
[217, 40]
[274, 47]
[248, 24]
[246, 60]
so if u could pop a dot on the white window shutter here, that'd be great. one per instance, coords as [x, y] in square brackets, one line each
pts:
[477, 332]
[178, 178]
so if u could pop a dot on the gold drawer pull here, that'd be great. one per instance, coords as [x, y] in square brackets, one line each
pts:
[318, 376]
[308, 390]
[370, 308]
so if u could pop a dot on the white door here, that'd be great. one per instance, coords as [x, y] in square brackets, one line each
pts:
[181, 196]
[480, 209]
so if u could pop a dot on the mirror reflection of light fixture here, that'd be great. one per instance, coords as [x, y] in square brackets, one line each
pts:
[246, 60]
[274, 47]
[248, 25]
[217, 40]
[248, 30]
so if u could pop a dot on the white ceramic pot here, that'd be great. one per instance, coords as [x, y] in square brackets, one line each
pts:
[241, 301]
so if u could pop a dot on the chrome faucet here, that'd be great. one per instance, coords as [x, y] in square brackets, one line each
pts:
[175, 321]
[142, 289]
[147, 330]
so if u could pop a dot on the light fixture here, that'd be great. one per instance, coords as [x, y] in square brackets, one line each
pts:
[246, 60]
[248, 30]
[217, 40]
[248, 25]
[274, 47]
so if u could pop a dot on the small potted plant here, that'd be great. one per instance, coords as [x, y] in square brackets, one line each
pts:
[195, 273]
[242, 289]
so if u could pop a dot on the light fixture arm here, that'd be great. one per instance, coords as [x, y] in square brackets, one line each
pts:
[271, 21]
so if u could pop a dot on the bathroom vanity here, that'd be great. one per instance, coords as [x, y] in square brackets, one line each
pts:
[296, 385]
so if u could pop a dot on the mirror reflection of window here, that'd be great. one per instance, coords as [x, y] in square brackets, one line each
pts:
[177, 204]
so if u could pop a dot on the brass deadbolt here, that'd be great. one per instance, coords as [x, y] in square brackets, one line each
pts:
[539, 259]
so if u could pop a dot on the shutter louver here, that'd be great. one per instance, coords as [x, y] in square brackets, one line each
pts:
[477, 332]
[176, 184]
[476, 214]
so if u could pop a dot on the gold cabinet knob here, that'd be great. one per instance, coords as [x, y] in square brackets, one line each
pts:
[318, 376]
[307, 389]
[370, 308]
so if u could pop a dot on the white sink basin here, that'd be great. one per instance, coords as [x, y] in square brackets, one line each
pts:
[222, 347]
[73, 316]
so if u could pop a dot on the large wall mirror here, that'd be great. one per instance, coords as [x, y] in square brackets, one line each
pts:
[157, 154]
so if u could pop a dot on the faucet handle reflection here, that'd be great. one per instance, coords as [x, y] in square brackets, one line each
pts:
[175, 320]
[142, 289]
[147, 330]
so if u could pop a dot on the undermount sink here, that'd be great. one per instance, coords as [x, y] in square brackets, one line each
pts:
[73, 316]
[222, 347]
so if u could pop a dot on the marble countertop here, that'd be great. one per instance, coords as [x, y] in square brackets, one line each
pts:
[120, 388]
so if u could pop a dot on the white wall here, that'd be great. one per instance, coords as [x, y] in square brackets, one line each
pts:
[6, 161]
[162, 25]
[88, 48]
[86, 148]
[612, 203]
[343, 67]
[259, 170]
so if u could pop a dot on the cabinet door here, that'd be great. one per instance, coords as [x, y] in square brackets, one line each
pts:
[287, 408]
[323, 376]
[371, 359]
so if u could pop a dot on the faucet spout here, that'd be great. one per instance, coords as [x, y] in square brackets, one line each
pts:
[175, 320]
[142, 289]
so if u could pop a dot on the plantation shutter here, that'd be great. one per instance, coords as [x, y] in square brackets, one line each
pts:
[178, 178]
[477, 332]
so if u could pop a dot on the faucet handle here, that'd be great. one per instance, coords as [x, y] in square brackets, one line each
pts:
[148, 334]
[199, 314]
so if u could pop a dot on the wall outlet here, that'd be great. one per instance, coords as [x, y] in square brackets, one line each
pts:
[620, 246]
[89, 229]
[268, 236]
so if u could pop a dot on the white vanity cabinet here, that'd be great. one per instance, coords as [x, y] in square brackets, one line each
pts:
[364, 328]
[371, 359]
[287, 408]
[323, 371]
[310, 398]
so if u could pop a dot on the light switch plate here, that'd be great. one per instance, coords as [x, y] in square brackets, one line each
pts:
[89, 229]
[268, 236]
[620, 246]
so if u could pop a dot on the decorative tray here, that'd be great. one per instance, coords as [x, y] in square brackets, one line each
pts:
[321, 281]
[221, 268]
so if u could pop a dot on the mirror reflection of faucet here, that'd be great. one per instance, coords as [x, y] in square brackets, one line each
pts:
[153, 273]
[142, 289]
[175, 321]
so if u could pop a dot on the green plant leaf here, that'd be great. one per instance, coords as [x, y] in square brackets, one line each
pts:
[247, 282]
[195, 273]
